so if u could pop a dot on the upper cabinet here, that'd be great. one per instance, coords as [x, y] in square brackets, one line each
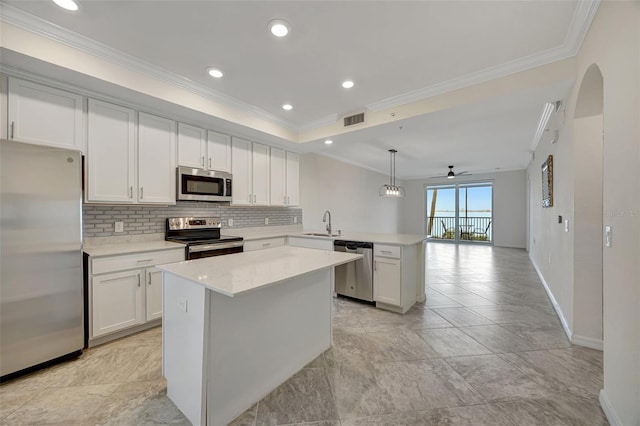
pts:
[43, 115]
[156, 159]
[284, 174]
[203, 149]
[293, 179]
[218, 152]
[250, 169]
[192, 146]
[278, 177]
[111, 153]
[123, 169]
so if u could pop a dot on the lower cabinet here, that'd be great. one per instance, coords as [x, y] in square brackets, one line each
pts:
[126, 290]
[117, 301]
[387, 280]
[395, 276]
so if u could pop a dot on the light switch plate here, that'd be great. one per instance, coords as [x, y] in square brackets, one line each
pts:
[230, 222]
[295, 219]
[566, 225]
[119, 227]
[182, 304]
[266, 220]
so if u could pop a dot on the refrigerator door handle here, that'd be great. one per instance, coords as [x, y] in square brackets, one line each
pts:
[138, 279]
[141, 192]
[131, 192]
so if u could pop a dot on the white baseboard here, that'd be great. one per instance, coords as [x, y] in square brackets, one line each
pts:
[612, 417]
[554, 302]
[588, 342]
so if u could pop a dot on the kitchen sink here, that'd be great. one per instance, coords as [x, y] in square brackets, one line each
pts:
[318, 234]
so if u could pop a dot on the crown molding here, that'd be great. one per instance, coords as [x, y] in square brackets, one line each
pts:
[41, 27]
[580, 23]
[321, 122]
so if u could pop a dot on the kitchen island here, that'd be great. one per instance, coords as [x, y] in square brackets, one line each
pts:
[235, 327]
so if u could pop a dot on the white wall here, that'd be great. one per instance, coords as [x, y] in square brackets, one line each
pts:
[588, 229]
[613, 44]
[509, 206]
[350, 193]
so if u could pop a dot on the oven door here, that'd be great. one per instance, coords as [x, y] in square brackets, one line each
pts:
[202, 185]
[209, 250]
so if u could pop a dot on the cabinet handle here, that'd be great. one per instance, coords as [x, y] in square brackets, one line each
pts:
[203, 161]
[266, 244]
[288, 200]
[144, 260]
[149, 278]
[13, 125]
[141, 192]
[385, 251]
[285, 199]
[209, 162]
[138, 279]
[254, 199]
[375, 265]
[131, 192]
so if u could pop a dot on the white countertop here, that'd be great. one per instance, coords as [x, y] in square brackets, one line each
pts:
[129, 247]
[239, 273]
[371, 237]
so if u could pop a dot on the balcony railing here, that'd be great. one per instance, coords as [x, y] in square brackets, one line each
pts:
[469, 228]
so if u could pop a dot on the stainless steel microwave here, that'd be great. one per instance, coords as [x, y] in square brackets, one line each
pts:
[202, 185]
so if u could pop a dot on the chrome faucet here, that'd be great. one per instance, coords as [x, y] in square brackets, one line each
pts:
[324, 219]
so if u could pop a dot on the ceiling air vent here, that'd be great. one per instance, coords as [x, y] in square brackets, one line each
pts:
[354, 119]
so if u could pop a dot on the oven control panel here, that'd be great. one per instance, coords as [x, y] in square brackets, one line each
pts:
[177, 223]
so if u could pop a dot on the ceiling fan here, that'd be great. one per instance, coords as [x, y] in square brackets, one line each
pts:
[451, 174]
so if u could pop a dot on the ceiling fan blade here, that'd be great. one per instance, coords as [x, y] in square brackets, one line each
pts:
[438, 177]
[463, 174]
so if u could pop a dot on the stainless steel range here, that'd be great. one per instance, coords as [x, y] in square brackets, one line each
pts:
[202, 238]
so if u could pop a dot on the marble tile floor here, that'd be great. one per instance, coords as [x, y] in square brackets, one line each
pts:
[486, 349]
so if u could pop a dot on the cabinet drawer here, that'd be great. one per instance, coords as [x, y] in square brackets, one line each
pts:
[138, 260]
[264, 243]
[386, 251]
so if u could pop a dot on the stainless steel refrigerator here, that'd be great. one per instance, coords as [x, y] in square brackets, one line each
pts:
[41, 282]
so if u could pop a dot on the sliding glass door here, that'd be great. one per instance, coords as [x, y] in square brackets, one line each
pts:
[460, 212]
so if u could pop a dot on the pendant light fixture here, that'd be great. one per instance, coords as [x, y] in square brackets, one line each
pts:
[391, 189]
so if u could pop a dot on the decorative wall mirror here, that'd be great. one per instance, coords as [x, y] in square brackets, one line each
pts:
[547, 182]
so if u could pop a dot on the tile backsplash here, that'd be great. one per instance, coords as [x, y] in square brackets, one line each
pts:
[99, 220]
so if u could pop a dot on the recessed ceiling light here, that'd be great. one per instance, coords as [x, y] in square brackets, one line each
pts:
[328, 142]
[279, 28]
[66, 4]
[287, 107]
[347, 84]
[215, 72]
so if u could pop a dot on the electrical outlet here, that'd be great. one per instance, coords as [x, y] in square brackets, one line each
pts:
[119, 227]
[295, 219]
[230, 222]
[266, 220]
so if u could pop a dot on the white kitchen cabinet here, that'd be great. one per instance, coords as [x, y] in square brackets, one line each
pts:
[192, 145]
[386, 280]
[156, 159]
[284, 177]
[111, 153]
[264, 243]
[218, 152]
[117, 301]
[43, 115]
[293, 179]
[395, 276]
[203, 149]
[153, 293]
[260, 170]
[125, 292]
[278, 177]
[250, 169]
[241, 170]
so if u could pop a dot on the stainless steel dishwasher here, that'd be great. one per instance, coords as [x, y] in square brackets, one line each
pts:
[355, 279]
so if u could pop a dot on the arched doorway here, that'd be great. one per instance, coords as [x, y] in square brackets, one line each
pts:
[588, 211]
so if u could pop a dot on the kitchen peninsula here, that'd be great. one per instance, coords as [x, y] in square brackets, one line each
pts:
[235, 327]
